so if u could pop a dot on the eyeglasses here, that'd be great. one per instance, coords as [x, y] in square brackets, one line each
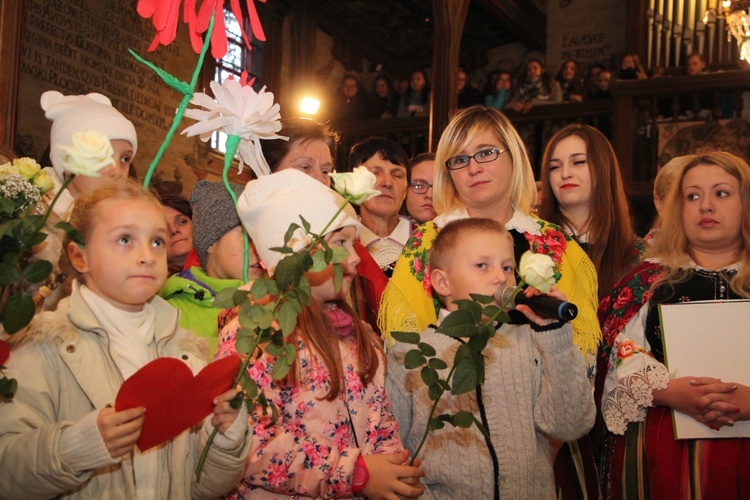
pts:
[483, 156]
[419, 186]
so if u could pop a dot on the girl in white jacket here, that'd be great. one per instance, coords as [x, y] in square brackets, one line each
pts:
[60, 435]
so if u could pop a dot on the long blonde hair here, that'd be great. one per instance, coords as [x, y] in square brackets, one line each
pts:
[461, 130]
[671, 246]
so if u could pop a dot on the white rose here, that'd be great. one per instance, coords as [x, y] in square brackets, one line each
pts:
[89, 152]
[27, 167]
[8, 169]
[359, 184]
[537, 270]
[43, 182]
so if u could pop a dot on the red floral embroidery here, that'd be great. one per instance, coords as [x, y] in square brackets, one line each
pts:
[627, 348]
[426, 283]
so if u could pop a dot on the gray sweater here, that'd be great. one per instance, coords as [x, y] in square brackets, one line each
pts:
[535, 386]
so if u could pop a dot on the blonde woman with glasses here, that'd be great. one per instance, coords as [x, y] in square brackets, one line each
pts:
[482, 170]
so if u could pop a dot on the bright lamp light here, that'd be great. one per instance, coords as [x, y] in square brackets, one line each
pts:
[309, 105]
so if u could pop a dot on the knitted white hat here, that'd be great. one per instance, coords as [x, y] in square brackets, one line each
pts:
[271, 203]
[74, 113]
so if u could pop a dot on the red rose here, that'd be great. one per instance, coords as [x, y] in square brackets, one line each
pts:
[625, 298]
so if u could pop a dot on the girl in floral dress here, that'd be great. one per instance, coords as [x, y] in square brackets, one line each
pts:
[335, 428]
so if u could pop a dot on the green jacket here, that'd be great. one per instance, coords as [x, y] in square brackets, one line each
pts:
[193, 292]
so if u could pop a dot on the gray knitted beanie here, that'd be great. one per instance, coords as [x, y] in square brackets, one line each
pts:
[214, 214]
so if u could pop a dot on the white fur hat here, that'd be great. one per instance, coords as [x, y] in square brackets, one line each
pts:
[271, 203]
[74, 113]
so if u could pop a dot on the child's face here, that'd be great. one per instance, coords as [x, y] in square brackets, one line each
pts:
[226, 258]
[125, 257]
[323, 288]
[481, 263]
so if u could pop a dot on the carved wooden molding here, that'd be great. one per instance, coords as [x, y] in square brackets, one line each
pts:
[10, 39]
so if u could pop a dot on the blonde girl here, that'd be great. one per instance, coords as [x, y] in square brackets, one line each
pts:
[70, 364]
[335, 428]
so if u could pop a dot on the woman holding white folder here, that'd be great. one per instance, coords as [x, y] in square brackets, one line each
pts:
[703, 255]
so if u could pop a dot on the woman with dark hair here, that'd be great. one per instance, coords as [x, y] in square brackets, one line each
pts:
[416, 100]
[311, 148]
[384, 97]
[499, 91]
[419, 195]
[705, 255]
[570, 78]
[535, 87]
[582, 191]
[180, 224]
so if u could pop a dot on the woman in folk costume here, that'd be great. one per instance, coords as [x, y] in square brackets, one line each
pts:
[705, 255]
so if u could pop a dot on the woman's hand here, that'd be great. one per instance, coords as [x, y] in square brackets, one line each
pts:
[224, 414]
[693, 397]
[728, 407]
[120, 430]
[390, 478]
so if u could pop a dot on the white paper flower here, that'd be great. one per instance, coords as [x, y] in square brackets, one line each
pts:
[237, 110]
[359, 184]
[537, 270]
[88, 153]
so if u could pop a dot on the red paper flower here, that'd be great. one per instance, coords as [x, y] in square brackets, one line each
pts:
[164, 14]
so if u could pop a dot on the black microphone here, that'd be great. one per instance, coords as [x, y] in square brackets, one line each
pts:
[544, 305]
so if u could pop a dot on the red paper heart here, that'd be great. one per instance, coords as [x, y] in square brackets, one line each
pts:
[173, 398]
[4, 352]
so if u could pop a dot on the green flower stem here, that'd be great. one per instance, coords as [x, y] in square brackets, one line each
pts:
[204, 453]
[233, 141]
[489, 321]
[432, 413]
[183, 105]
[64, 186]
[347, 199]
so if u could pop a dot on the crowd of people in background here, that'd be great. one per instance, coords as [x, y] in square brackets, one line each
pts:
[579, 409]
[507, 89]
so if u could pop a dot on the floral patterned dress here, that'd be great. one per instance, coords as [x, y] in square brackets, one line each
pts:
[642, 459]
[311, 449]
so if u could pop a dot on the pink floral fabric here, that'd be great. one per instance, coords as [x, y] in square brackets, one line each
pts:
[310, 450]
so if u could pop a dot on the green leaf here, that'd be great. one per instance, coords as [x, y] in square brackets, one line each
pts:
[8, 387]
[319, 262]
[286, 271]
[180, 86]
[275, 350]
[37, 271]
[73, 233]
[459, 323]
[224, 298]
[478, 343]
[434, 392]
[427, 349]
[8, 274]
[435, 424]
[249, 385]
[338, 277]
[288, 317]
[244, 341]
[259, 288]
[18, 312]
[237, 400]
[467, 374]
[463, 419]
[290, 354]
[481, 427]
[437, 364]
[239, 297]
[290, 232]
[429, 376]
[482, 299]
[328, 252]
[471, 307]
[280, 368]
[35, 239]
[340, 254]
[491, 310]
[12, 258]
[305, 224]
[406, 337]
[284, 250]
[414, 359]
